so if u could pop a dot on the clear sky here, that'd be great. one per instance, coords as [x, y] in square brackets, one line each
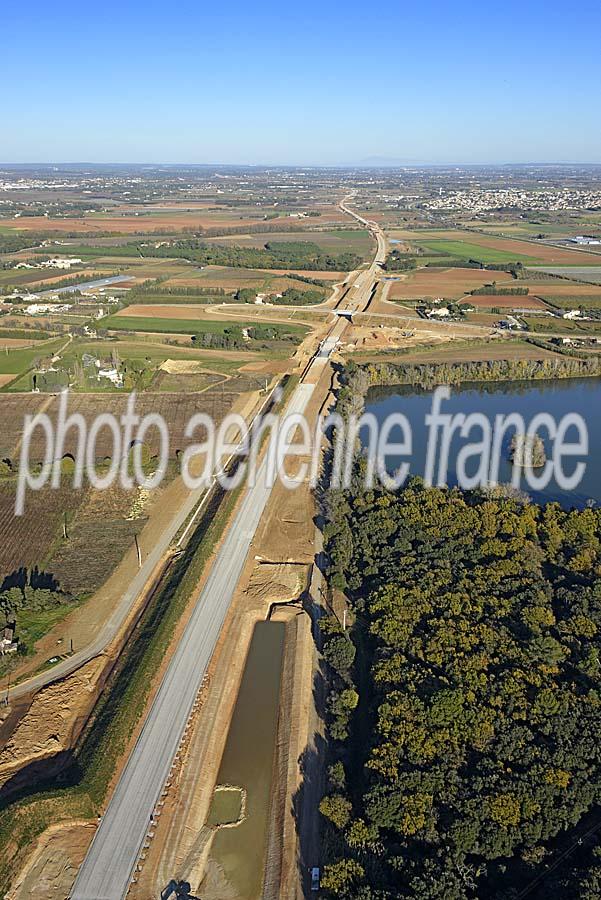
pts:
[300, 83]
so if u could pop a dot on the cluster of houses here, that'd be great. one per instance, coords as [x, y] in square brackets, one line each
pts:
[576, 342]
[56, 263]
[97, 368]
[440, 310]
[264, 299]
[44, 309]
[576, 314]
[50, 379]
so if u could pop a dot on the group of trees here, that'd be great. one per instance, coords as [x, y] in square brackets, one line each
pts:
[290, 297]
[397, 261]
[12, 243]
[28, 592]
[497, 290]
[274, 255]
[233, 337]
[515, 269]
[465, 735]
[430, 374]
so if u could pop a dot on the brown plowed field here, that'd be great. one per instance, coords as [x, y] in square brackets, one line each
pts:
[450, 283]
[143, 224]
[154, 311]
[176, 409]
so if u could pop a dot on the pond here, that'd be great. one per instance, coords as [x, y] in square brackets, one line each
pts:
[247, 764]
[528, 398]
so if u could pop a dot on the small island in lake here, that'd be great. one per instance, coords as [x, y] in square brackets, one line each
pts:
[527, 450]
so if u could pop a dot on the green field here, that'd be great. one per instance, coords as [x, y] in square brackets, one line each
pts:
[18, 360]
[465, 250]
[190, 326]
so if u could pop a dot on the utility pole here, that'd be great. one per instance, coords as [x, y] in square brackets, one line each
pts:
[139, 551]
[65, 535]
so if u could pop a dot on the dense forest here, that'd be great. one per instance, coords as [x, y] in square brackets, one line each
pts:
[464, 704]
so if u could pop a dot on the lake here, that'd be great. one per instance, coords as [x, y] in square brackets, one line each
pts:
[560, 397]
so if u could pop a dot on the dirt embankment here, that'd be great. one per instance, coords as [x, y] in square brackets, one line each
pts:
[53, 864]
[52, 723]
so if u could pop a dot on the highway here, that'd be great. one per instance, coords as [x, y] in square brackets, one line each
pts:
[109, 864]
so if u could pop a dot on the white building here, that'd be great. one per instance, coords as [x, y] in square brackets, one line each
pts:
[585, 241]
[576, 314]
[113, 375]
[42, 309]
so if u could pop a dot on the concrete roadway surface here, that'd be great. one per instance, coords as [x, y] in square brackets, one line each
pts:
[108, 867]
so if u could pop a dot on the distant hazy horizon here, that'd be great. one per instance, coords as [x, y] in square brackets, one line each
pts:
[361, 164]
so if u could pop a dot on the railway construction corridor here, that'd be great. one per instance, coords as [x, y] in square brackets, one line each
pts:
[109, 864]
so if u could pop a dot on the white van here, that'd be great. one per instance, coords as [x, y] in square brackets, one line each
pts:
[315, 878]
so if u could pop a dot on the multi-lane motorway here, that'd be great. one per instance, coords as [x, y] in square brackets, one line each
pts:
[108, 867]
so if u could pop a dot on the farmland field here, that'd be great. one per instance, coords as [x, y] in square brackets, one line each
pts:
[334, 241]
[559, 288]
[463, 243]
[573, 301]
[448, 283]
[592, 273]
[179, 325]
[19, 359]
[218, 312]
[488, 301]
[459, 351]
[230, 279]
[141, 223]
[26, 540]
[102, 521]
[466, 250]
[176, 409]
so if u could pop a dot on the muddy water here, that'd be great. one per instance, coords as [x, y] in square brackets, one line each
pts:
[248, 762]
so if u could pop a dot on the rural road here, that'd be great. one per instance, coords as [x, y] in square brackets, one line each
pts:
[109, 864]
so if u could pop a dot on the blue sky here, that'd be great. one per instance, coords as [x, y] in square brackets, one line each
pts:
[310, 83]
